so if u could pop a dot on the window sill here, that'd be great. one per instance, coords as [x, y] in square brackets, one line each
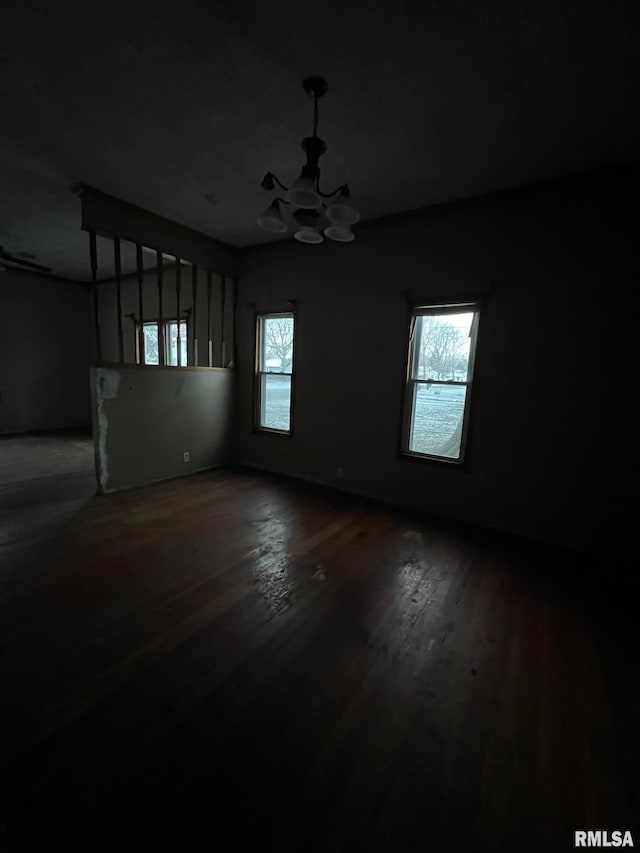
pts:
[267, 431]
[421, 457]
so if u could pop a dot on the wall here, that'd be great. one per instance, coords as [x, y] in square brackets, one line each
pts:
[145, 418]
[551, 427]
[45, 353]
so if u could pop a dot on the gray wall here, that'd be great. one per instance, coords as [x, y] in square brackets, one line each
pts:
[45, 353]
[551, 420]
[145, 418]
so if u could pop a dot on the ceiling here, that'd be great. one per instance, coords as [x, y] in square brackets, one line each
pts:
[163, 104]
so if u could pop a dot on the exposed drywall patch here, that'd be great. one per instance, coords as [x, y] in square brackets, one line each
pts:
[108, 384]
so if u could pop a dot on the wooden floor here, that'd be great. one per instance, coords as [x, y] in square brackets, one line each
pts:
[234, 661]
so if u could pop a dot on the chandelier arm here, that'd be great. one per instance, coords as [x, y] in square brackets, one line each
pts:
[279, 182]
[329, 195]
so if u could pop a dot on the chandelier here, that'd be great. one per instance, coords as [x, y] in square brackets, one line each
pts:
[316, 212]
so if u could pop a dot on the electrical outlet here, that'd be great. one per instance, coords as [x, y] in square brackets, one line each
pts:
[185, 456]
[339, 473]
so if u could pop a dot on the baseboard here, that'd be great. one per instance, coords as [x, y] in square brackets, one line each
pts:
[203, 470]
[80, 429]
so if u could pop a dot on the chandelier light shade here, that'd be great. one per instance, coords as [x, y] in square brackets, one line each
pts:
[305, 193]
[272, 219]
[309, 234]
[341, 210]
[340, 233]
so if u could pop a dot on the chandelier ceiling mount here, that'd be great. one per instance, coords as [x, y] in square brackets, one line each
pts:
[316, 212]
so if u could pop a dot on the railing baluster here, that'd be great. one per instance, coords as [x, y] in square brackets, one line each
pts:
[117, 263]
[234, 312]
[140, 275]
[223, 308]
[161, 341]
[194, 318]
[178, 285]
[209, 341]
[93, 251]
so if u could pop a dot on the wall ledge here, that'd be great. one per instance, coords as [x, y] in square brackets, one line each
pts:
[168, 368]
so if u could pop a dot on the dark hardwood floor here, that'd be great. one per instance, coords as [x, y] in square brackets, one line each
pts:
[235, 661]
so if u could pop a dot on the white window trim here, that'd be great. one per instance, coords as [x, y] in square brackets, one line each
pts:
[411, 383]
[259, 373]
[166, 323]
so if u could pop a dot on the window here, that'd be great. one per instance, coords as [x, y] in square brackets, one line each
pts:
[439, 374]
[274, 372]
[151, 344]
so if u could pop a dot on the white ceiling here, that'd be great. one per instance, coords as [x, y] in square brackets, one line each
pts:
[163, 103]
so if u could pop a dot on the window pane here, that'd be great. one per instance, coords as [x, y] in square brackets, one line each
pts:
[150, 343]
[275, 400]
[276, 354]
[442, 346]
[172, 344]
[436, 420]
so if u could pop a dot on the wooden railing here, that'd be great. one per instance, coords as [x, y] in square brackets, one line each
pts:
[187, 310]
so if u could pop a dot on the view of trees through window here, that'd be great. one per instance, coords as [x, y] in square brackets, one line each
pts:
[438, 386]
[276, 364]
[443, 349]
[151, 343]
[278, 343]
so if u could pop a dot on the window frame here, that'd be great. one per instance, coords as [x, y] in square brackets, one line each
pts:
[260, 317]
[166, 323]
[466, 306]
